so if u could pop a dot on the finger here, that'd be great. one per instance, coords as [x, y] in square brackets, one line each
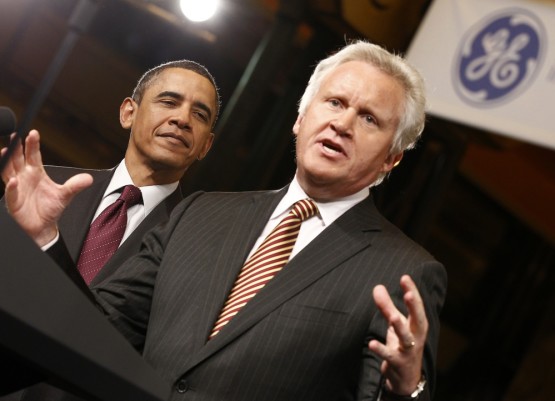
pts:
[11, 194]
[387, 307]
[17, 160]
[415, 305]
[379, 349]
[11, 185]
[32, 149]
[394, 317]
[383, 301]
[8, 170]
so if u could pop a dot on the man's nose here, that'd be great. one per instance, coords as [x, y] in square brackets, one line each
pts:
[182, 118]
[344, 122]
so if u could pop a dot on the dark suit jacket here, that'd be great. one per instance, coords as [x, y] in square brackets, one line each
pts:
[303, 337]
[73, 226]
[76, 219]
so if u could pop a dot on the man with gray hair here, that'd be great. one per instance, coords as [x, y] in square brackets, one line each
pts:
[304, 293]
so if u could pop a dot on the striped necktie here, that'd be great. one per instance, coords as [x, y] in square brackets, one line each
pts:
[266, 262]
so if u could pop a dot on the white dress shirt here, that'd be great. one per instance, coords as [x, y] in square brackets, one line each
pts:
[328, 212]
[152, 196]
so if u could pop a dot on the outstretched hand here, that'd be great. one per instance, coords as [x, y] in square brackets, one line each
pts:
[32, 198]
[403, 350]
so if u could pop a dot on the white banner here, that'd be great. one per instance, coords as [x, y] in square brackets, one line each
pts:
[491, 64]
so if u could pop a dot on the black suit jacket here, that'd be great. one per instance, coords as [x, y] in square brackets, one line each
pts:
[76, 219]
[303, 337]
[73, 226]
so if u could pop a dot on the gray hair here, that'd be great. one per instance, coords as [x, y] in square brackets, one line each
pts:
[413, 116]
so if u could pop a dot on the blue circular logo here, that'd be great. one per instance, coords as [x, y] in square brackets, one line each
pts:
[499, 57]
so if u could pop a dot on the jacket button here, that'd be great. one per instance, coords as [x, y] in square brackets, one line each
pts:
[182, 386]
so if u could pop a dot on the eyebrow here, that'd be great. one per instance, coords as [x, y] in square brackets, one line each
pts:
[180, 97]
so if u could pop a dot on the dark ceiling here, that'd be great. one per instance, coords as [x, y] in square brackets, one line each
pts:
[482, 203]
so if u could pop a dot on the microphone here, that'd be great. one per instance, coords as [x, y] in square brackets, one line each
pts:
[7, 121]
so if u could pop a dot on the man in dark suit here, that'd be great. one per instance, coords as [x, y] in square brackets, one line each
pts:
[353, 315]
[170, 116]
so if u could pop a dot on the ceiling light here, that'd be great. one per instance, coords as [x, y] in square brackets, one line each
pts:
[199, 10]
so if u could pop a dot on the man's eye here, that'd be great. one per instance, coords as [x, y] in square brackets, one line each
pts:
[369, 119]
[201, 116]
[334, 102]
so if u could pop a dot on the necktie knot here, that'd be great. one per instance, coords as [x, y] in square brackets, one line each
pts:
[131, 195]
[304, 209]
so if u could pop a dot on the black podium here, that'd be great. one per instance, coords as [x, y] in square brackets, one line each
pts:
[49, 325]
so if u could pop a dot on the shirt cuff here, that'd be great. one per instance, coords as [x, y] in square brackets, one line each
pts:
[47, 246]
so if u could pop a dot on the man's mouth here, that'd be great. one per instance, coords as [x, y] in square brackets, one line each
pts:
[332, 148]
[175, 137]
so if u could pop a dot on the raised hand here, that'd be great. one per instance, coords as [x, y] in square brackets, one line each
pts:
[403, 350]
[32, 198]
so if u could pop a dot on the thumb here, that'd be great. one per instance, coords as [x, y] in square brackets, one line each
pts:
[76, 184]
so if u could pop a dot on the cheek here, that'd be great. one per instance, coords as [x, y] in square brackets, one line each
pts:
[367, 159]
[305, 134]
[140, 138]
[201, 141]
[155, 118]
[301, 145]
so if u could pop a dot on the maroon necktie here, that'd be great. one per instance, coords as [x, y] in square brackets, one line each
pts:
[266, 262]
[105, 233]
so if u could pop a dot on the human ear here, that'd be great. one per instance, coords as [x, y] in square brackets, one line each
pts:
[127, 112]
[206, 147]
[297, 125]
[392, 161]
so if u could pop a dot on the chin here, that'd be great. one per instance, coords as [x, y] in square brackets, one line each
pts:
[168, 163]
[323, 170]
[322, 179]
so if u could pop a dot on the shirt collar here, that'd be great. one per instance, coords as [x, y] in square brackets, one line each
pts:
[329, 211]
[152, 194]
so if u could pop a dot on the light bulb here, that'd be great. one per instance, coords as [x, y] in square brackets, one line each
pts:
[199, 10]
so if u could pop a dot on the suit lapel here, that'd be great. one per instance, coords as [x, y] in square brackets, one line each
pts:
[77, 217]
[237, 243]
[347, 236]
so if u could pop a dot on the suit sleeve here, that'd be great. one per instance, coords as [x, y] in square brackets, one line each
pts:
[127, 295]
[60, 254]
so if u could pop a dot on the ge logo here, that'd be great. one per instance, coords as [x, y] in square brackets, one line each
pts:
[499, 57]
